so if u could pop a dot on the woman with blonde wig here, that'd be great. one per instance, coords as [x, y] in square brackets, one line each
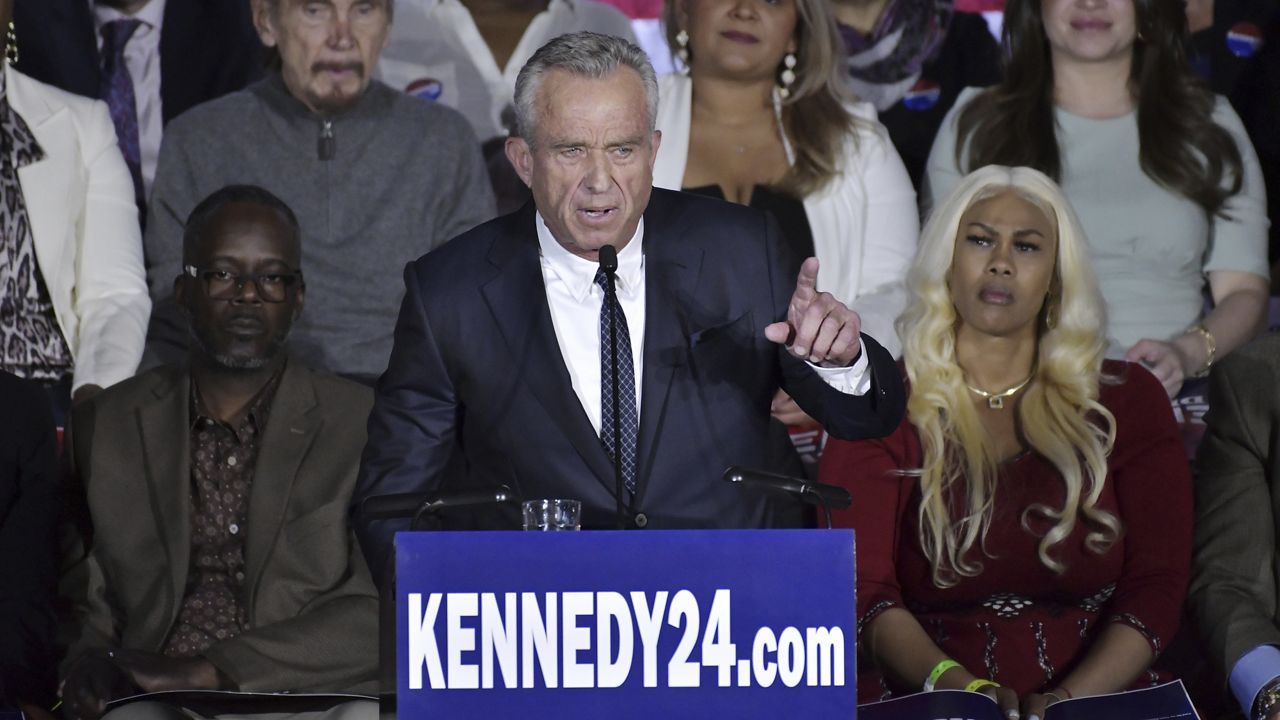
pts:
[1026, 531]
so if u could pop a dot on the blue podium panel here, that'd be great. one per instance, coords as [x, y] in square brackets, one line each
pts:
[742, 623]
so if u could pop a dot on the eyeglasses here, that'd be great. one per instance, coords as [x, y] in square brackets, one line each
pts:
[272, 287]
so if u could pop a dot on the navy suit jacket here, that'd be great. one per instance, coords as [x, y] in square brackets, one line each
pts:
[208, 48]
[476, 365]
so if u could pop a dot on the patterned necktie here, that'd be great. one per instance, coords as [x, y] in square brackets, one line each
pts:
[117, 90]
[625, 410]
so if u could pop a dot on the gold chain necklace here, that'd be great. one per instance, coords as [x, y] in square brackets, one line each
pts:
[995, 401]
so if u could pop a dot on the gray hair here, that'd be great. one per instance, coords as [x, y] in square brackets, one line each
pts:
[588, 54]
[274, 5]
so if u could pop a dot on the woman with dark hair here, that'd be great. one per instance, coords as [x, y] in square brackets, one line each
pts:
[1098, 95]
[1026, 531]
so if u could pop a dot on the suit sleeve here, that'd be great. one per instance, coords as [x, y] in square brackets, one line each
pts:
[110, 288]
[1233, 580]
[332, 642]
[93, 619]
[890, 234]
[412, 426]
[849, 417]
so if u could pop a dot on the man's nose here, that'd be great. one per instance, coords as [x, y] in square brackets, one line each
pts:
[598, 176]
[247, 291]
[340, 36]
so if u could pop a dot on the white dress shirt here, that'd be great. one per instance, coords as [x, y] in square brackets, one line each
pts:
[575, 301]
[142, 57]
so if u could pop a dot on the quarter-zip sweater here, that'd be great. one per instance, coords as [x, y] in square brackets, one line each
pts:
[374, 187]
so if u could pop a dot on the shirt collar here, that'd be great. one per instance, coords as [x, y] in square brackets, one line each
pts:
[255, 413]
[579, 274]
[151, 15]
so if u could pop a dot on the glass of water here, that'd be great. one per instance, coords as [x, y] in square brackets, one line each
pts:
[552, 514]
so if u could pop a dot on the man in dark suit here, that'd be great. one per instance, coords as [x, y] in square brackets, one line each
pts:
[178, 54]
[502, 346]
[220, 556]
[1235, 590]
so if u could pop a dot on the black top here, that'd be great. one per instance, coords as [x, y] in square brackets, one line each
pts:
[969, 57]
[788, 211]
[29, 502]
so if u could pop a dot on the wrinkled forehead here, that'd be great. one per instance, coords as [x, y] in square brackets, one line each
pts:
[248, 234]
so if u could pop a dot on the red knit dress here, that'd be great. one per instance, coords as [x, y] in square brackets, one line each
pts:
[1018, 622]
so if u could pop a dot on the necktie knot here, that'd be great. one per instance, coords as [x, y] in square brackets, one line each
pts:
[115, 35]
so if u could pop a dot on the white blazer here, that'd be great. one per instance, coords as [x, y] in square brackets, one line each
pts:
[85, 226]
[865, 224]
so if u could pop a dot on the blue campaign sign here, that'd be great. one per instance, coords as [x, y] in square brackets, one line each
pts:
[740, 623]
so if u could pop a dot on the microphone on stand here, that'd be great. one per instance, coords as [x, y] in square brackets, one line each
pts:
[820, 494]
[421, 506]
[609, 264]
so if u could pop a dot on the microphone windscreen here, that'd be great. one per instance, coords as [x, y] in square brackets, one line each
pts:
[608, 258]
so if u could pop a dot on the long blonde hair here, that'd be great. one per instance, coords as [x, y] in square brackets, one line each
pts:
[816, 116]
[1059, 412]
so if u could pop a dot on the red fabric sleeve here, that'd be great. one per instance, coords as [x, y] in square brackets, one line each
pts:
[868, 469]
[1152, 482]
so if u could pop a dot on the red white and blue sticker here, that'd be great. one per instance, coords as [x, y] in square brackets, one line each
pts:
[425, 88]
[1244, 40]
[923, 95]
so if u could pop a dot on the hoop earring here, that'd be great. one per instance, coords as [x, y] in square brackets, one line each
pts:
[788, 76]
[1050, 313]
[682, 52]
[11, 45]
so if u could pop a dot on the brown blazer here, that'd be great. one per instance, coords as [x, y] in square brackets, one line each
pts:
[312, 608]
[1234, 591]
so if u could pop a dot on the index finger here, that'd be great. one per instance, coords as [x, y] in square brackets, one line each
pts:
[807, 280]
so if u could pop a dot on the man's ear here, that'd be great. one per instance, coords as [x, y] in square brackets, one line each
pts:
[298, 302]
[521, 157]
[263, 21]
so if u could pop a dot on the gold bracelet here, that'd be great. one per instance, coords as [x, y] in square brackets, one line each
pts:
[1210, 345]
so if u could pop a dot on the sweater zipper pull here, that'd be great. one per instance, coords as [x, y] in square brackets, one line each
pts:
[326, 145]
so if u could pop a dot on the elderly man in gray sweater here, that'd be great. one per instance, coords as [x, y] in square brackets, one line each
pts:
[377, 178]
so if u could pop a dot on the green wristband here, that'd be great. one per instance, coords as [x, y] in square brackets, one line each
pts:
[937, 672]
[980, 683]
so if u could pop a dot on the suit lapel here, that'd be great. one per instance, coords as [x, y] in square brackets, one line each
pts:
[168, 466]
[291, 429]
[671, 277]
[517, 298]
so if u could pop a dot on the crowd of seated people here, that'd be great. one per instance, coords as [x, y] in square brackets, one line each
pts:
[183, 445]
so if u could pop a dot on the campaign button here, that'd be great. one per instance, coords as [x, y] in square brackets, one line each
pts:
[641, 520]
[1244, 39]
[923, 95]
[425, 88]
